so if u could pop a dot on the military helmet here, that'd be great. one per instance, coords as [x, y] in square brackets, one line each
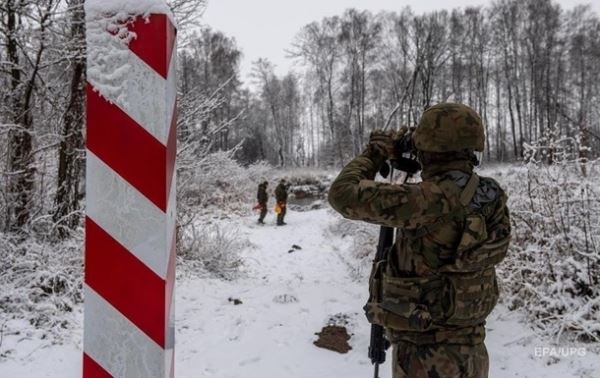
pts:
[449, 127]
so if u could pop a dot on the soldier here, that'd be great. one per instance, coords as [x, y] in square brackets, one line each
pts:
[438, 283]
[262, 197]
[281, 197]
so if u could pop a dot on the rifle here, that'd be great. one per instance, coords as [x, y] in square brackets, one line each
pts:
[379, 344]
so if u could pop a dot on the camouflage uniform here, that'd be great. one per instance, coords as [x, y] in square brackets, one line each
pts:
[262, 197]
[439, 283]
[281, 196]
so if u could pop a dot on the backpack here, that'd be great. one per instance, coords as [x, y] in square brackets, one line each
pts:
[458, 294]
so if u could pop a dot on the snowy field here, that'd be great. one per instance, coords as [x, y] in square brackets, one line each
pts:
[286, 298]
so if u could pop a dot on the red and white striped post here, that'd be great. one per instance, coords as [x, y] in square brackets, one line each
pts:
[130, 223]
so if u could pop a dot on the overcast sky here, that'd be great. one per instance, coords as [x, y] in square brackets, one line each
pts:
[265, 28]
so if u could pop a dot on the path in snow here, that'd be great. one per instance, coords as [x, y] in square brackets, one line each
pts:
[262, 338]
[265, 338]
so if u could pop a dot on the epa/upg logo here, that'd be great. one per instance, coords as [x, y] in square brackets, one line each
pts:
[560, 351]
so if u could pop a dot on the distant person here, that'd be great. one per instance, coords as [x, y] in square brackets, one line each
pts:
[281, 196]
[262, 198]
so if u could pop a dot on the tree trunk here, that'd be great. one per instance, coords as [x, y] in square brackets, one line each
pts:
[20, 144]
[71, 144]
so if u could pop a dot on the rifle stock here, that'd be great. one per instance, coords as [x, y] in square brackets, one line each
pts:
[379, 344]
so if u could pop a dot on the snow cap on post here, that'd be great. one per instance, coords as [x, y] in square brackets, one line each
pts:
[130, 217]
[106, 8]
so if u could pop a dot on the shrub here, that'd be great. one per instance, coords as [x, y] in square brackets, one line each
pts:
[213, 250]
[553, 268]
[40, 282]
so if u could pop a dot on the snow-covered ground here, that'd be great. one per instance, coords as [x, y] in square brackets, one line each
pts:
[286, 298]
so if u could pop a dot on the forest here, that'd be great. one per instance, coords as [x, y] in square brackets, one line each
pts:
[531, 69]
[528, 67]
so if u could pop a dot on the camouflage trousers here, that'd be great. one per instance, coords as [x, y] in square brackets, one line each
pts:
[263, 212]
[439, 361]
[281, 215]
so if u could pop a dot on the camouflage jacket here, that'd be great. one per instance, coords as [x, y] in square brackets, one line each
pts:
[262, 197]
[430, 236]
[281, 194]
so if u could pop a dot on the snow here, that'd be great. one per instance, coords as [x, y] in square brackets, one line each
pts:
[118, 74]
[271, 335]
[24, 350]
[106, 8]
[265, 338]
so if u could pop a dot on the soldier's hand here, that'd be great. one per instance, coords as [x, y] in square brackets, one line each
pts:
[383, 142]
[401, 133]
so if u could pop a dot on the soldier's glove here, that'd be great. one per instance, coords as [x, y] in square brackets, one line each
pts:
[402, 132]
[382, 142]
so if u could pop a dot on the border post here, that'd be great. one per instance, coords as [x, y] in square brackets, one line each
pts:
[130, 190]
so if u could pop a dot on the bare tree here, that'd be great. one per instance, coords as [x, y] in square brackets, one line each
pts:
[70, 153]
[316, 45]
[24, 29]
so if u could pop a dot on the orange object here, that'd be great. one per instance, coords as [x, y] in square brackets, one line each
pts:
[279, 206]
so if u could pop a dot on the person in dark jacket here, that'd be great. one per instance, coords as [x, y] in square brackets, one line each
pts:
[262, 198]
[281, 196]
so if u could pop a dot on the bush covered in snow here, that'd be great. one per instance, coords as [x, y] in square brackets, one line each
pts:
[308, 183]
[40, 282]
[362, 238]
[214, 186]
[218, 184]
[553, 269]
[213, 250]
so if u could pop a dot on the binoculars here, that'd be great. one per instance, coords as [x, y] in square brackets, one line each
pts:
[404, 158]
